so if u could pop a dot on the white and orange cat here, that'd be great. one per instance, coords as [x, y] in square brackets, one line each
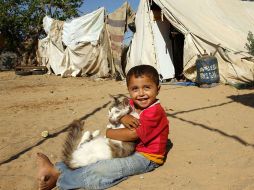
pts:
[84, 147]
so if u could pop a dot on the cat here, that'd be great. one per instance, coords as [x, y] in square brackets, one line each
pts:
[84, 147]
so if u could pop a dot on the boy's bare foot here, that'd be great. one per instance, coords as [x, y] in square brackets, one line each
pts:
[47, 174]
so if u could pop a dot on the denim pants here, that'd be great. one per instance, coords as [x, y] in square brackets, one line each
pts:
[103, 174]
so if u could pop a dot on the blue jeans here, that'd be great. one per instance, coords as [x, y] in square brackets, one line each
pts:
[103, 174]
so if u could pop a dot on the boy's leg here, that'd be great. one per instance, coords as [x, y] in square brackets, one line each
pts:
[103, 174]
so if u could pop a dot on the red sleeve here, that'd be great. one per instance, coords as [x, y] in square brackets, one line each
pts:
[150, 121]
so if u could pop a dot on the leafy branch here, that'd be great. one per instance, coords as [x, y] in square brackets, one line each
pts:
[250, 44]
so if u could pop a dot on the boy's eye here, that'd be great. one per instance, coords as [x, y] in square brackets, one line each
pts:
[134, 89]
[147, 87]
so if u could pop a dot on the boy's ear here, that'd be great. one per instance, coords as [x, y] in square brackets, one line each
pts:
[159, 87]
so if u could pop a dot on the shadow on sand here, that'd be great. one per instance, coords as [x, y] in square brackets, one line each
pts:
[245, 99]
[51, 136]
[168, 148]
[214, 130]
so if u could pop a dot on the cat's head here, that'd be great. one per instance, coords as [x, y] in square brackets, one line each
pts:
[120, 106]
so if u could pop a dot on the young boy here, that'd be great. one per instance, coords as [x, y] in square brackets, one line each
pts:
[150, 132]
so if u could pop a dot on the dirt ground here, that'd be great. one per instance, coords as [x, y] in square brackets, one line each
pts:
[211, 130]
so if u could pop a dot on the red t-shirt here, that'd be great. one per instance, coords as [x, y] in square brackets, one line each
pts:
[153, 131]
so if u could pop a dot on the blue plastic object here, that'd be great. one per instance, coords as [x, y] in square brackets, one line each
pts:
[207, 70]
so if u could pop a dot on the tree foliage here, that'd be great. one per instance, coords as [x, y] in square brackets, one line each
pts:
[250, 43]
[22, 19]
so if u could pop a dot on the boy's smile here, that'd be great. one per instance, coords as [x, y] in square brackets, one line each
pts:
[143, 90]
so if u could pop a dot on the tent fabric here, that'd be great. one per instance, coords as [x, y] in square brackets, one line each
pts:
[55, 33]
[148, 46]
[216, 27]
[86, 46]
[224, 22]
[42, 52]
[86, 59]
[86, 28]
[50, 49]
[116, 27]
[163, 49]
[55, 47]
[141, 49]
[47, 22]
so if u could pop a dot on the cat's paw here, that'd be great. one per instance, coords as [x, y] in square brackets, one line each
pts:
[110, 126]
[86, 136]
[96, 133]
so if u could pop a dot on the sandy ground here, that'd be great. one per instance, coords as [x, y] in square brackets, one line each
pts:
[212, 131]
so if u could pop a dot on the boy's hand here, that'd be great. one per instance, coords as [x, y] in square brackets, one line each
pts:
[130, 122]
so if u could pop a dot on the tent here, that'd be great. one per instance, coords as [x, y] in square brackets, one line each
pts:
[171, 35]
[83, 46]
[116, 26]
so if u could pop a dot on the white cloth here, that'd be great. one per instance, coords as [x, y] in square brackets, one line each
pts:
[86, 28]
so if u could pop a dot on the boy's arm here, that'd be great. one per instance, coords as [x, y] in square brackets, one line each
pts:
[123, 134]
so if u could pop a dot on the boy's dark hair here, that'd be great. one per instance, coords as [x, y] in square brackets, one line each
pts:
[141, 70]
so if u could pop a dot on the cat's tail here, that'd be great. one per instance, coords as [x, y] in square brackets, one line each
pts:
[72, 140]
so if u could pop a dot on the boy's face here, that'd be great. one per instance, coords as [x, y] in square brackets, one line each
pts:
[143, 90]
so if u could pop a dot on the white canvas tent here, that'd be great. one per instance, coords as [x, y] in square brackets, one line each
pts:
[84, 45]
[216, 27]
[85, 52]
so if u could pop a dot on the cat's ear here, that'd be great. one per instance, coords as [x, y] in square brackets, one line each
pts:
[82, 122]
[125, 101]
[115, 99]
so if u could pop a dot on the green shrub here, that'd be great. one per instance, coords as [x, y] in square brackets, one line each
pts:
[250, 44]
